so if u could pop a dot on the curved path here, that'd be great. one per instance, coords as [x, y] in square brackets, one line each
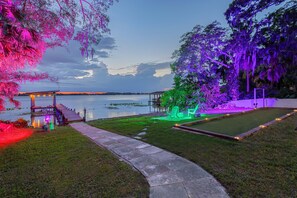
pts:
[167, 174]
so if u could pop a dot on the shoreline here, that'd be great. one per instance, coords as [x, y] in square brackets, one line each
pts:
[88, 93]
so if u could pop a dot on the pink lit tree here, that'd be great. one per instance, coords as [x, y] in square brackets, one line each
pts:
[29, 27]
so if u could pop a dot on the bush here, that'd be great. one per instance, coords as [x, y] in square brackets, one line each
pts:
[20, 123]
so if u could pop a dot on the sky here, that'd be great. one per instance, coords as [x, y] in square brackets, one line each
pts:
[136, 55]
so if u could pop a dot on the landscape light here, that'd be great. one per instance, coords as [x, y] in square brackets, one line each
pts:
[176, 125]
[51, 126]
[278, 119]
[295, 110]
[237, 138]
[288, 114]
[206, 118]
[34, 124]
[227, 114]
[262, 126]
[47, 118]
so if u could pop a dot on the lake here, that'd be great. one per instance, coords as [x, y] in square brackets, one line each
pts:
[97, 106]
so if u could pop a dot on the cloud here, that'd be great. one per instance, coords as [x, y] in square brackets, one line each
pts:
[98, 79]
[107, 43]
[72, 54]
[87, 74]
[162, 72]
[159, 68]
[143, 81]
[67, 63]
[103, 54]
[76, 73]
[124, 71]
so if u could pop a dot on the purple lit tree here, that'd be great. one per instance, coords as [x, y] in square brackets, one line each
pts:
[278, 35]
[204, 60]
[269, 42]
[261, 50]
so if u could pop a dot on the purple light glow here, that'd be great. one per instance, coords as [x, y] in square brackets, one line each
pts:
[47, 119]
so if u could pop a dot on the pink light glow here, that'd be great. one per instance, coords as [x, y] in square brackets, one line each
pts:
[13, 135]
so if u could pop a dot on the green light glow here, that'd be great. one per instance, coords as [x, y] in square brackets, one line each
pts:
[175, 115]
[51, 126]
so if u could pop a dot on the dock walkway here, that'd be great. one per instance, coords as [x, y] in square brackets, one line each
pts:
[68, 114]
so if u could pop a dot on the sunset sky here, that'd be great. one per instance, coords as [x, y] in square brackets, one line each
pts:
[136, 56]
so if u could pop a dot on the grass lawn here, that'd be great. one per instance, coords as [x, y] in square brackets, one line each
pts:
[242, 123]
[263, 165]
[65, 164]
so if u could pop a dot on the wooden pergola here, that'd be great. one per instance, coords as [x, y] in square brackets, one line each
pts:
[33, 96]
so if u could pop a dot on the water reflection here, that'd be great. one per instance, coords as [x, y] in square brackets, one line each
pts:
[97, 106]
[90, 115]
[41, 120]
[112, 114]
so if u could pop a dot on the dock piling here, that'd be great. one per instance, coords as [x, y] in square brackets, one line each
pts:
[85, 114]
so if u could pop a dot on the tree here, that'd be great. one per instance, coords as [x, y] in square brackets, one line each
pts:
[183, 95]
[204, 61]
[9, 84]
[29, 27]
[259, 49]
[277, 34]
[269, 42]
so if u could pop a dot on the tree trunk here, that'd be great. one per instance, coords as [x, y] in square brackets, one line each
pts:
[247, 81]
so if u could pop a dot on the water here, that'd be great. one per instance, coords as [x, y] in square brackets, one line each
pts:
[97, 106]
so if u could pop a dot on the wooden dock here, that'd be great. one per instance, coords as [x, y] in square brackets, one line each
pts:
[69, 115]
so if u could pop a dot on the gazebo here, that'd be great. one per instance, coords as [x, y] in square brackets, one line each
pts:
[34, 95]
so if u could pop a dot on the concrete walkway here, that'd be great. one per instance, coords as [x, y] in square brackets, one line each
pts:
[167, 174]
